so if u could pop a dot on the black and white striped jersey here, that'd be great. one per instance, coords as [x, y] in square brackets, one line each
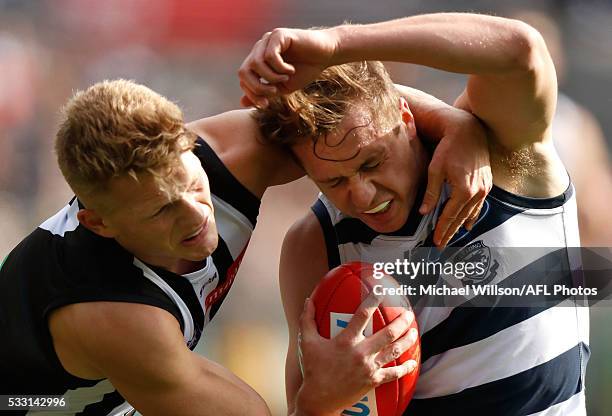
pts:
[62, 263]
[492, 359]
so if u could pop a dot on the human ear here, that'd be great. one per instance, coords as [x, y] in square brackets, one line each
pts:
[94, 222]
[407, 116]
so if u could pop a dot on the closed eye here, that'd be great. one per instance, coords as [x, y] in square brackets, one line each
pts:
[335, 182]
[371, 166]
[160, 211]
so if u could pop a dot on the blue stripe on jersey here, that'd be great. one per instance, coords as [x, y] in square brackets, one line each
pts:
[353, 230]
[331, 242]
[458, 330]
[532, 203]
[528, 392]
[493, 214]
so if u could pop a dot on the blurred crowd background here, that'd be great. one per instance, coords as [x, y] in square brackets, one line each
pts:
[190, 51]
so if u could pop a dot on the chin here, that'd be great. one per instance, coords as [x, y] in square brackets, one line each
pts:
[209, 245]
[203, 250]
[386, 229]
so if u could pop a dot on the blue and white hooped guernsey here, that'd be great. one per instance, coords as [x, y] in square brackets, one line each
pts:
[504, 361]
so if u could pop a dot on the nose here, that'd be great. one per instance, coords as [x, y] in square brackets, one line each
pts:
[361, 192]
[191, 209]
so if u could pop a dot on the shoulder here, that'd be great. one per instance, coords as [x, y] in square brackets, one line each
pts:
[303, 263]
[305, 236]
[235, 138]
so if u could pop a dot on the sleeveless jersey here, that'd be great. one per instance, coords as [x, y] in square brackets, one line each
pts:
[491, 359]
[62, 263]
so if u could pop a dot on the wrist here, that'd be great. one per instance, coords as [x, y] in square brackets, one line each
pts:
[305, 404]
[340, 38]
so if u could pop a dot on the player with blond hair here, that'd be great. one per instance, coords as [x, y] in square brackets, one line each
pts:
[103, 302]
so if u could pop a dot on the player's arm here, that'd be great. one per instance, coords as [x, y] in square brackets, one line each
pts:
[235, 138]
[461, 158]
[141, 350]
[336, 372]
[512, 84]
[299, 273]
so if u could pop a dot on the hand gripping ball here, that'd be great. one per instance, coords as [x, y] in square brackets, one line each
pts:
[336, 298]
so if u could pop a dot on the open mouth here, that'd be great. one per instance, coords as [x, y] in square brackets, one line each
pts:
[380, 208]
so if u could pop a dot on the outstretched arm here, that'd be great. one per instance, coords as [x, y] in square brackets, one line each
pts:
[512, 83]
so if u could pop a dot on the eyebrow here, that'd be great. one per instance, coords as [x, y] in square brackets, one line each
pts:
[368, 160]
[160, 204]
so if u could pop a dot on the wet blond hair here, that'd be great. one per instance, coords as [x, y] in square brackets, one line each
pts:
[318, 109]
[117, 128]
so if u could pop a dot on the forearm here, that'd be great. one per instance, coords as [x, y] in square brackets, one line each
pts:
[433, 117]
[455, 42]
[203, 388]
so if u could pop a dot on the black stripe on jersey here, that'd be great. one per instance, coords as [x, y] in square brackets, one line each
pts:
[331, 243]
[185, 291]
[528, 202]
[224, 184]
[223, 260]
[528, 392]
[458, 329]
[101, 408]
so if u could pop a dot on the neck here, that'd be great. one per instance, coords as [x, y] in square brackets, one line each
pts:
[187, 266]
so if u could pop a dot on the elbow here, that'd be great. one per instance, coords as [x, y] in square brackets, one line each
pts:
[528, 49]
[257, 406]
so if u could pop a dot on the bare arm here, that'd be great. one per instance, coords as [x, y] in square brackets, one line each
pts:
[235, 138]
[512, 83]
[141, 350]
[461, 158]
[302, 264]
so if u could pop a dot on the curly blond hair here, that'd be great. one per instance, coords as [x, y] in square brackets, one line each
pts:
[115, 128]
[318, 109]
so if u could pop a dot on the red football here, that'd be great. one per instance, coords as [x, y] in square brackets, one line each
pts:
[336, 298]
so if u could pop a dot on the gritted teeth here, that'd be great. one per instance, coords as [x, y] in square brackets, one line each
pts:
[378, 208]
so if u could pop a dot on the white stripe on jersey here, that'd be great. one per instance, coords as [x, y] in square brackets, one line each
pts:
[188, 324]
[462, 367]
[64, 221]
[574, 406]
[233, 227]
[545, 229]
